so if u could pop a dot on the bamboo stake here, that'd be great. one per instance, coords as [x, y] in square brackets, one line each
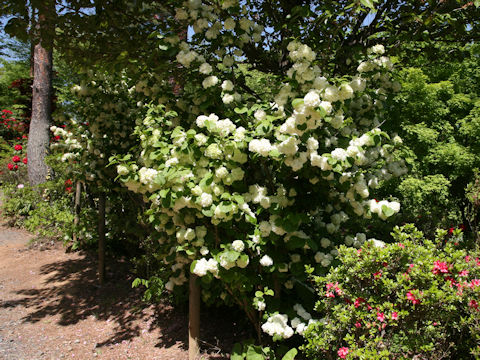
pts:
[101, 239]
[193, 318]
[77, 208]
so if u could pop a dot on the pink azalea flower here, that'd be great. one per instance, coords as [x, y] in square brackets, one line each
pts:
[342, 352]
[412, 298]
[394, 315]
[358, 324]
[440, 267]
[380, 316]
[463, 273]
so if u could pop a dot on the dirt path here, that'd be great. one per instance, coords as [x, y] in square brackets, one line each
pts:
[51, 308]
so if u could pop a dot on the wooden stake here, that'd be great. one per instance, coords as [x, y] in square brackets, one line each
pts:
[101, 239]
[76, 220]
[193, 318]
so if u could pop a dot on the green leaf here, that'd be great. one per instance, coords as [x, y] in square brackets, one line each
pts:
[253, 354]
[136, 282]
[237, 353]
[290, 355]
[297, 102]
[368, 4]
[387, 211]
[242, 110]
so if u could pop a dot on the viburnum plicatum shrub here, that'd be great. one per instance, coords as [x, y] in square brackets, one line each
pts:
[98, 123]
[246, 188]
[411, 299]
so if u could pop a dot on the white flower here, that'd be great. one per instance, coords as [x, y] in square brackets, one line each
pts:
[228, 98]
[200, 121]
[339, 154]
[266, 261]
[325, 242]
[261, 305]
[210, 81]
[262, 146]
[278, 325]
[206, 199]
[201, 267]
[326, 106]
[260, 115]
[205, 68]
[213, 151]
[227, 85]
[378, 49]
[122, 170]
[312, 99]
[238, 245]
[265, 228]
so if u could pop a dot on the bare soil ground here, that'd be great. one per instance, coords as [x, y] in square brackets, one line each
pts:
[52, 308]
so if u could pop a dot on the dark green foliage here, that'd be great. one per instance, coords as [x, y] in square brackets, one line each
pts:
[437, 115]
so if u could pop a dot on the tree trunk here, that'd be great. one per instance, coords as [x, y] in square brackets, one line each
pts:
[39, 134]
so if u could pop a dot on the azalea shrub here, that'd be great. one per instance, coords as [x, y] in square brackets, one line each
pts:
[412, 299]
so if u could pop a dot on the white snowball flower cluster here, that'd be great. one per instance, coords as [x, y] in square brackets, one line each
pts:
[205, 69]
[147, 175]
[203, 266]
[266, 261]
[210, 81]
[377, 207]
[278, 325]
[238, 245]
[260, 146]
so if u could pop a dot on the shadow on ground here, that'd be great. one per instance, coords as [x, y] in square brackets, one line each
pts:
[71, 291]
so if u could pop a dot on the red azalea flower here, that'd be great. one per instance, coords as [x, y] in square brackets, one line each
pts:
[412, 298]
[450, 231]
[358, 302]
[25, 160]
[68, 189]
[342, 352]
[18, 147]
[440, 267]
[15, 167]
[473, 304]
[10, 166]
[16, 158]
[68, 182]
[394, 315]
[5, 111]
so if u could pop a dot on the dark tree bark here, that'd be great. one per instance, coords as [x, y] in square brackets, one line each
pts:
[39, 134]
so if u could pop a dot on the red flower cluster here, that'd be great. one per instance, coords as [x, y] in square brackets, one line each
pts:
[68, 185]
[16, 159]
[440, 267]
[412, 298]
